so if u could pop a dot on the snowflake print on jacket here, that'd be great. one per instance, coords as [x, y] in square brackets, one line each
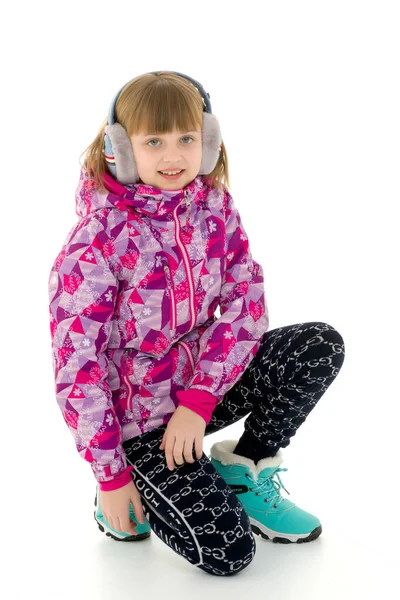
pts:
[133, 294]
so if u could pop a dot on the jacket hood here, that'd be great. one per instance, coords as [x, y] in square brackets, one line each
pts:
[147, 199]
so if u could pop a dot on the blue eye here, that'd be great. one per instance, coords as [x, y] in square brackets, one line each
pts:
[155, 139]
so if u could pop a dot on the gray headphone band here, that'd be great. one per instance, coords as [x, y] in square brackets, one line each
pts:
[205, 96]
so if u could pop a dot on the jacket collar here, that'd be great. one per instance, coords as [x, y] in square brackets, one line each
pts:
[148, 200]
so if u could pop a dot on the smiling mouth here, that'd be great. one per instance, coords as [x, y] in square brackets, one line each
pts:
[173, 172]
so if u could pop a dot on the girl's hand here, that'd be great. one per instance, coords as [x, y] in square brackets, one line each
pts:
[115, 507]
[184, 429]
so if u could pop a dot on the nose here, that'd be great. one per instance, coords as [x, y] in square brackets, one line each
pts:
[172, 152]
[171, 156]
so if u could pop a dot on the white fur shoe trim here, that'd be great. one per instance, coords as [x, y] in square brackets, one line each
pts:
[223, 451]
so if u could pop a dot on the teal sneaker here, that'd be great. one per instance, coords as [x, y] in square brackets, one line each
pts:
[271, 516]
[143, 530]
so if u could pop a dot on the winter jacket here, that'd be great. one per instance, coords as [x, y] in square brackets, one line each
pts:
[132, 296]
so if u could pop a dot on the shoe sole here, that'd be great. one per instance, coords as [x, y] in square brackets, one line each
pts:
[278, 539]
[112, 534]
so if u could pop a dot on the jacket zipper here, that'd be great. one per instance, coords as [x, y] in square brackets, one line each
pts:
[186, 260]
[130, 392]
[128, 384]
[172, 296]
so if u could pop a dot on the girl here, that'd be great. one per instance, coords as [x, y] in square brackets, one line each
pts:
[143, 367]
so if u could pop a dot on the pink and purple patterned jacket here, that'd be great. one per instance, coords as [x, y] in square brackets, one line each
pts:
[132, 296]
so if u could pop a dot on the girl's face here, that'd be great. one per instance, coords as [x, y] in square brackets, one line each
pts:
[167, 151]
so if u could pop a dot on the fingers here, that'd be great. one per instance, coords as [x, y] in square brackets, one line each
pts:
[127, 525]
[170, 452]
[175, 448]
[137, 506]
[123, 524]
[163, 440]
[188, 453]
[198, 446]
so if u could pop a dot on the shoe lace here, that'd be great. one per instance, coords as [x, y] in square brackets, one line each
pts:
[270, 488]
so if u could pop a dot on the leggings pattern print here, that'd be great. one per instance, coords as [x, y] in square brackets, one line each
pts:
[192, 509]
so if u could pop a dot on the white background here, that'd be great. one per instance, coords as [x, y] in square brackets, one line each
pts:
[307, 96]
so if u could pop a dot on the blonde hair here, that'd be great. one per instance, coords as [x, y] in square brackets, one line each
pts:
[159, 103]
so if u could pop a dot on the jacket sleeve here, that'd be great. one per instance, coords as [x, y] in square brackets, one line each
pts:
[228, 346]
[82, 295]
[200, 401]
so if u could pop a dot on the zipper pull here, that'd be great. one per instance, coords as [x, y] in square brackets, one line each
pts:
[187, 201]
[167, 275]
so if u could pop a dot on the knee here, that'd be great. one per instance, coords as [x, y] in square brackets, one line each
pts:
[337, 340]
[232, 557]
[330, 334]
[247, 554]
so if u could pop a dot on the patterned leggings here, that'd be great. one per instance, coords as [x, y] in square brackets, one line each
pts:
[192, 509]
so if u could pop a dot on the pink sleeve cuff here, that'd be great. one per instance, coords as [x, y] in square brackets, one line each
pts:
[200, 401]
[118, 482]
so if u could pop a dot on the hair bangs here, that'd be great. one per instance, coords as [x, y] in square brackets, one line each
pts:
[162, 108]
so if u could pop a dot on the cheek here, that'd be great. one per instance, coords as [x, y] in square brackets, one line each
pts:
[143, 158]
